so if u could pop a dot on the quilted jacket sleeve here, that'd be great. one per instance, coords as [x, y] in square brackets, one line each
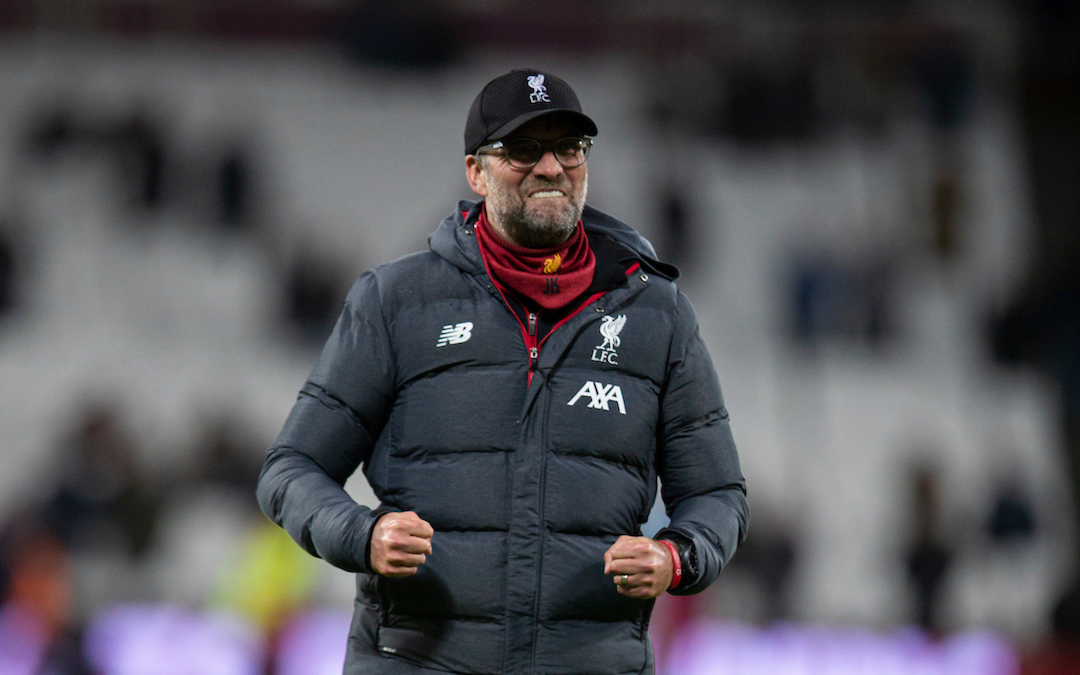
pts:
[332, 428]
[702, 485]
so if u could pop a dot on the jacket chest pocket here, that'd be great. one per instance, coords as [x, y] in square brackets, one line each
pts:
[610, 415]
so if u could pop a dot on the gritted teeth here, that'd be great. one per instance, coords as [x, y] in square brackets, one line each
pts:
[542, 194]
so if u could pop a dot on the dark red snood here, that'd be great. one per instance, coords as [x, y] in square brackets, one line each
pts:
[550, 277]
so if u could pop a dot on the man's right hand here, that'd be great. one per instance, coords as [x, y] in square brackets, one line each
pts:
[400, 543]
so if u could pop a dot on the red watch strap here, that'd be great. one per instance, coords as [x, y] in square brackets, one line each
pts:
[676, 575]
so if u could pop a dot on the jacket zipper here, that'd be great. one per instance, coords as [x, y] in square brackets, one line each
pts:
[534, 349]
[543, 531]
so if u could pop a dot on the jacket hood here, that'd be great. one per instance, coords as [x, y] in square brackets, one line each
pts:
[454, 240]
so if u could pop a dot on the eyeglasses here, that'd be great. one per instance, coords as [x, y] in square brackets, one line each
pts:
[525, 153]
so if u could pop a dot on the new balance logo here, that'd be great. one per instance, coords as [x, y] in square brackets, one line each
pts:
[600, 395]
[455, 334]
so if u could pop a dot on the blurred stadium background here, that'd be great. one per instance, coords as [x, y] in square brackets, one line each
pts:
[876, 206]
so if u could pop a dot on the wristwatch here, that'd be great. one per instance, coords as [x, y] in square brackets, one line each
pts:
[687, 556]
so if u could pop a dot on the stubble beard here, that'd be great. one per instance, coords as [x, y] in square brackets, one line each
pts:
[535, 229]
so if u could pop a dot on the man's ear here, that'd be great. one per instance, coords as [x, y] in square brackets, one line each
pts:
[476, 175]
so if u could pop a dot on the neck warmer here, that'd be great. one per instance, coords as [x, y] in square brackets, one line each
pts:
[550, 277]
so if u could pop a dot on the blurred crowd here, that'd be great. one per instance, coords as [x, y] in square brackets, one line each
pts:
[106, 530]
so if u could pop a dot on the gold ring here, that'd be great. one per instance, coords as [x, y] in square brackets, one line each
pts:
[625, 581]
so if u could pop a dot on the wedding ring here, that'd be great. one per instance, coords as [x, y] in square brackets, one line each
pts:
[625, 581]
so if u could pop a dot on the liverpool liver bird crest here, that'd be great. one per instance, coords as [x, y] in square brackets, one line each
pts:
[539, 91]
[610, 327]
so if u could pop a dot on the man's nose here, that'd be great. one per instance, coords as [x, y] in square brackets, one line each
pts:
[548, 165]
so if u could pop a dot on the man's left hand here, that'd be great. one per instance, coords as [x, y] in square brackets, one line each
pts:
[646, 563]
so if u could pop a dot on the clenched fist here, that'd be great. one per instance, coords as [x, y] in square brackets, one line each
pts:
[400, 543]
[646, 563]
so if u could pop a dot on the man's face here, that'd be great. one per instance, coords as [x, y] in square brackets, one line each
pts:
[537, 207]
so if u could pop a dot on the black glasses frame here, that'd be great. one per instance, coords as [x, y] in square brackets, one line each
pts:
[537, 149]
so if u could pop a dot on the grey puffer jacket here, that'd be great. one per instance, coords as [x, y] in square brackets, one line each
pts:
[527, 471]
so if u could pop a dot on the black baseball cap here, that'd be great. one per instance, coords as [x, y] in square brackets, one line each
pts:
[510, 100]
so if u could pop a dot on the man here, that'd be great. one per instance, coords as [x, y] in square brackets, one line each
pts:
[513, 395]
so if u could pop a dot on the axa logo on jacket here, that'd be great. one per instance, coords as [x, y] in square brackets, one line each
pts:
[455, 334]
[600, 395]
